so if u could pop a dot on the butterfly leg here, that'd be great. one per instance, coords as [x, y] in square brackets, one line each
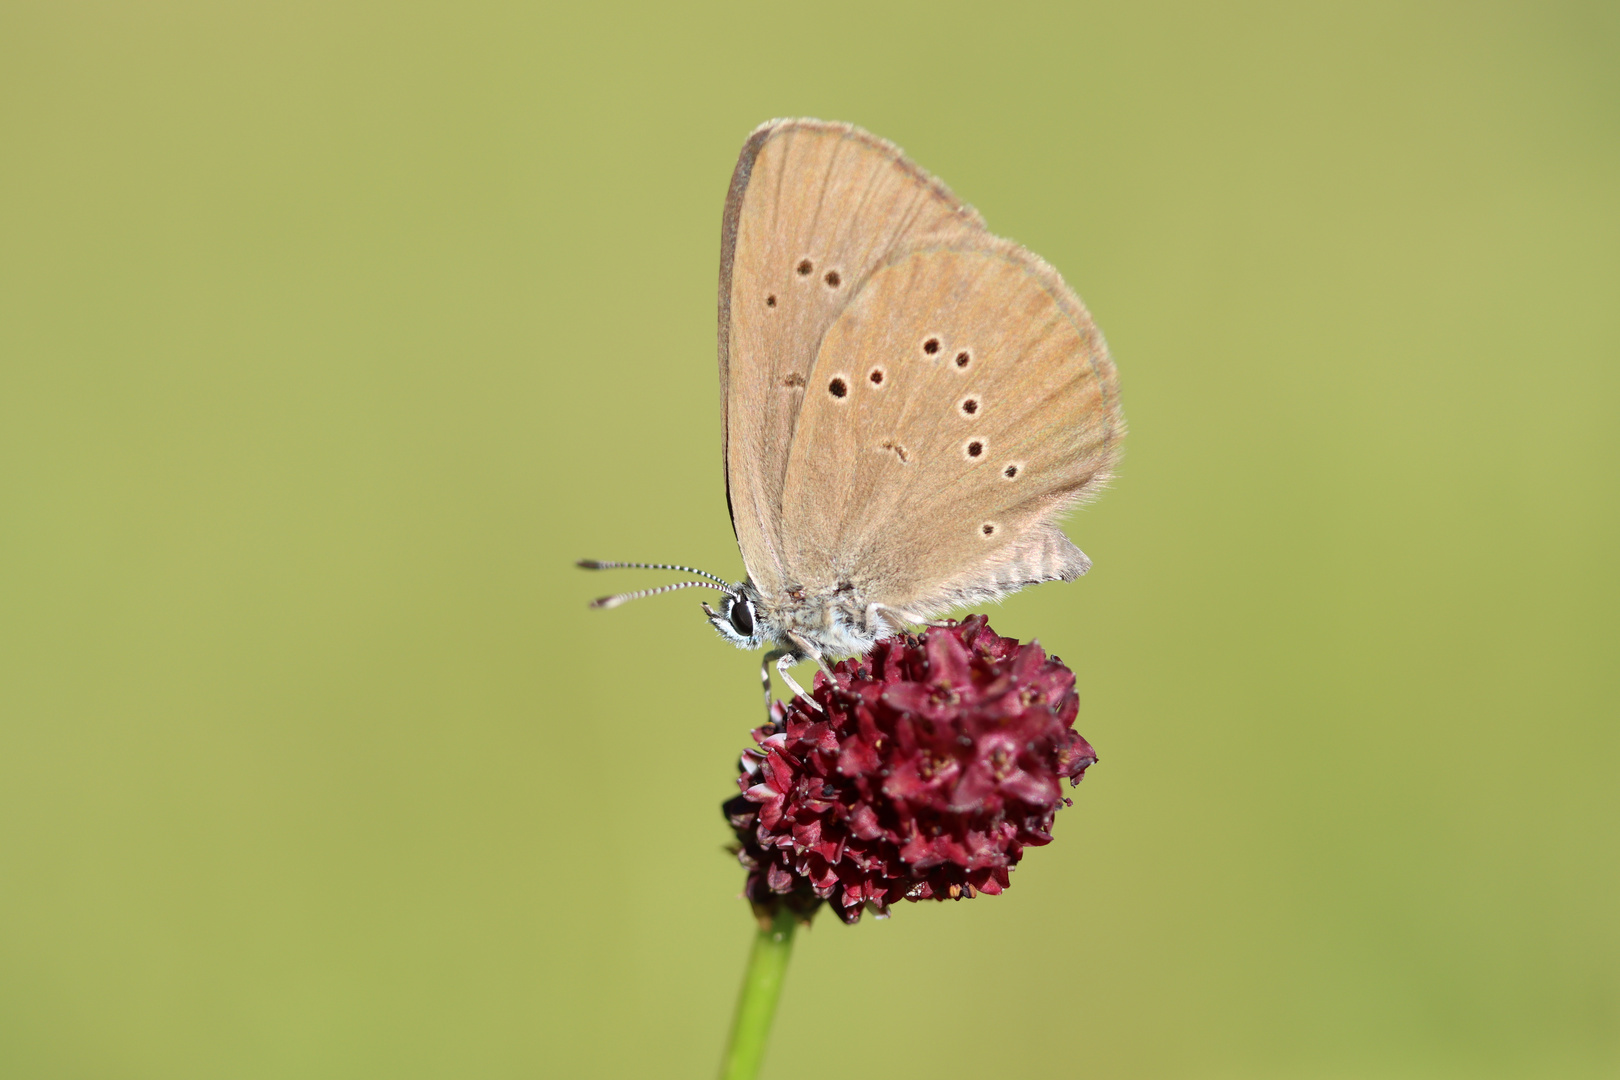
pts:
[782, 665]
[881, 618]
[803, 651]
[765, 677]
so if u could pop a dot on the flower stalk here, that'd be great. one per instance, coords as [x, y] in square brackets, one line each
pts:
[756, 1001]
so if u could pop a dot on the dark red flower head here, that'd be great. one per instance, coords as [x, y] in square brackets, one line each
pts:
[936, 762]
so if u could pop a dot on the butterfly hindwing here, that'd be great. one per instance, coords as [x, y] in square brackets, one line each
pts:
[959, 403]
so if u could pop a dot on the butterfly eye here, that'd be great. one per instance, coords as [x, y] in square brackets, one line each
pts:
[742, 617]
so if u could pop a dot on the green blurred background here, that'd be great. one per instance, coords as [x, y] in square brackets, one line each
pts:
[331, 334]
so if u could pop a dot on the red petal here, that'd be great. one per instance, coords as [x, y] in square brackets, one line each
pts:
[909, 697]
[779, 774]
[857, 758]
[977, 785]
[1029, 661]
[906, 783]
[1034, 790]
[807, 835]
[948, 660]
[863, 822]
[778, 879]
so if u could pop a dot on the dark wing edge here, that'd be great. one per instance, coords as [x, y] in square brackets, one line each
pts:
[740, 176]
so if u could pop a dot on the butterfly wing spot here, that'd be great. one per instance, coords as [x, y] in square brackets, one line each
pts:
[876, 377]
[988, 528]
[838, 387]
[770, 301]
[974, 448]
[899, 451]
[963, 358]
[931, 346]
[805, 267]
[1011, 471]
[833, 279]
[794, 380]
[968, 406]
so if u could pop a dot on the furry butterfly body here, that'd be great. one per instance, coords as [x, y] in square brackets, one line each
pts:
[909, 402]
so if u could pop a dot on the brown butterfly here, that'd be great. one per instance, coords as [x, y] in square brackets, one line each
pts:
[909, 402]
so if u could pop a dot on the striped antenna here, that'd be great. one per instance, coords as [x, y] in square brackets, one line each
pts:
[616, 600]
[598, 564]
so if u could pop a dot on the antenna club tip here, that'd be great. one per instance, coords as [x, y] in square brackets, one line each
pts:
[607, 602]
[589, 564]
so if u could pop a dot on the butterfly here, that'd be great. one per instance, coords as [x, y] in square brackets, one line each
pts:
[909, 402]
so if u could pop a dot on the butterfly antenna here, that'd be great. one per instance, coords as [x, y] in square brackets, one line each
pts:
[598, 564]
[619, 598]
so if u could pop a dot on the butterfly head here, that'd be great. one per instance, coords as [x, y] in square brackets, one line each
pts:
[741, 619]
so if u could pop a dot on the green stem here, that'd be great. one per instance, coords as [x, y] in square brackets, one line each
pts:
[756, 1003]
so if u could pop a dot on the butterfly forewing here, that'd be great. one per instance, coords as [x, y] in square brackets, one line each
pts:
[814, 209]
[958, 404]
